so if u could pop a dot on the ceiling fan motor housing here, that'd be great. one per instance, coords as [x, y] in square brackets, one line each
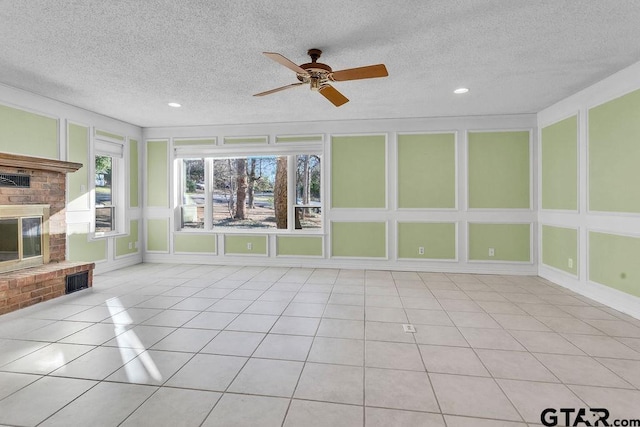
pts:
[317, 72]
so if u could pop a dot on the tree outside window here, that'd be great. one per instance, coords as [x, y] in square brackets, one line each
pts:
[251, 192]
[104, 208]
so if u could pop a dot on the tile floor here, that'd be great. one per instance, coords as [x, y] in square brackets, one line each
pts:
[187, 345]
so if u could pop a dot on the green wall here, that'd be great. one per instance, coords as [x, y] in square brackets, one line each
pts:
[301, 138]
[186, 142]
[613, 261]
[560, 244]
[109, 135]
[238, 244]
[191, 242]
[437, 238]
[122, 243]
[358, 173]
[29, 134]
[246, 140]
[306, 246]
[133, 174]
[560, 165]
[427, 171]
[80, 248]
[157, 174]
[614, 155]
[499, 168]
[78, 145]
[511, 242]
[158, 235]
[359, 239]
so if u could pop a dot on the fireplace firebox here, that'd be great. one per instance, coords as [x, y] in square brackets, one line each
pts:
[24, 236]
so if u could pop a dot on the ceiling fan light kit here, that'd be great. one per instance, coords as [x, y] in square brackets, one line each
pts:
[318, 76]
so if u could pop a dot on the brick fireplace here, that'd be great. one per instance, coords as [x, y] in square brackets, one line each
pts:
[33, 231]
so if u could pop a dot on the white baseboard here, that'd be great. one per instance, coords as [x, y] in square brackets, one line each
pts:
[610, 297]
[523, 269]
[127, 261]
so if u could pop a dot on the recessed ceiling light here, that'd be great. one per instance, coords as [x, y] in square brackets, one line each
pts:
[461, 90]
[174, 105]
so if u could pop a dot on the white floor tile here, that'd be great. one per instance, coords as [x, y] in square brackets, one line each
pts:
[39, 400]
[239, 410]
[47, 359]
[304, 413]
[399, 390]
[207, 372]
[331, 383]
[106, 404]
[267, 377]
[174, 407]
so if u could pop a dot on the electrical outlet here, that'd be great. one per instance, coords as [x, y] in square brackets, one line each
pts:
[492, 252]
[421, 250]
[249, 246]
[135, 245]
[130, 245]
[83, 188]
[570, 263]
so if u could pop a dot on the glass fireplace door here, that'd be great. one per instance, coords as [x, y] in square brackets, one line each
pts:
[9, 242]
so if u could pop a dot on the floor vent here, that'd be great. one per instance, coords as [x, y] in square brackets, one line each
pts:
[76, 282]
[15, 180]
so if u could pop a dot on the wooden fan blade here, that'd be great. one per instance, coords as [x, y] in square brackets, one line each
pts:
[332, 94]
[269, 92]
[368, 72]
[286, 62]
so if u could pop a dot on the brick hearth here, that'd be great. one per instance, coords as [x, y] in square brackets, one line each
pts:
[22, 288]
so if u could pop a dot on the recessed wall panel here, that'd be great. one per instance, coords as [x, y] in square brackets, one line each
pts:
[29, 134]
[358, 171]
[614, 155]
[560, 248]
[510, 242]
[613, 261]
[560, 165]
[499, 170]
[437, 240]
[157, 174]
[427, 171]
[359, 239]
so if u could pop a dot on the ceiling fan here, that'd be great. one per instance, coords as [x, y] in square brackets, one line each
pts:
[318, 75]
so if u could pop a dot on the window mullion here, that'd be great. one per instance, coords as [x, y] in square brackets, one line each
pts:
[208, 191]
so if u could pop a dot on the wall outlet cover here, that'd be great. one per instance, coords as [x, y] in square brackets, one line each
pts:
[492, 252]
[421, 250]
[249, 246]
[570, 263]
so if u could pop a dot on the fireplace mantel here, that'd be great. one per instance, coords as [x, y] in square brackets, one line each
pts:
[37, 163]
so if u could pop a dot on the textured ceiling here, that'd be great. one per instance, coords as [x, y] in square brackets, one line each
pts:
[128, 58]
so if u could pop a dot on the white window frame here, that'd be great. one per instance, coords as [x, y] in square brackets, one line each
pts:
[221, 152]
[104, 146]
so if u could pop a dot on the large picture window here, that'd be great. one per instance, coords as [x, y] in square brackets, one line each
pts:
[251, 192]
[245, 189]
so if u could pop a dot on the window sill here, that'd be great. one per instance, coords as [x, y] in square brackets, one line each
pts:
[101, 236]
